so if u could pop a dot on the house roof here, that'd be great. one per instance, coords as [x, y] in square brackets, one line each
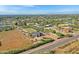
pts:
[36, 32]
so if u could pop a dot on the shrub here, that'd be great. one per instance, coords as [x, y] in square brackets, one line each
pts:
[14, 51]
[53, 31]
[52, 52]
[43, 41]
[60, 34]
[47, 40]
[69, 35]
[38, 44]
[0, 30]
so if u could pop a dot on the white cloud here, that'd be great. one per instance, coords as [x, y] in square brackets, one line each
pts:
[68, 10]
[28, 5]
[14, 9]
[20, 9]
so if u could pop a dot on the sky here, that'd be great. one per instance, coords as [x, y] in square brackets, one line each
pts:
[38, 9]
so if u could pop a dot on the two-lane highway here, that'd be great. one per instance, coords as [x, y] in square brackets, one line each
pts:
[50, 46]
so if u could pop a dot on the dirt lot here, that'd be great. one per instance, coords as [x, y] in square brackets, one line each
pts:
[13, 39]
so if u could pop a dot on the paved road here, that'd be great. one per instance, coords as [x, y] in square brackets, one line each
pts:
[50, 46]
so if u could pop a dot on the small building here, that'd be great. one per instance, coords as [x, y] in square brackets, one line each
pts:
[49, 25]
[37, 34]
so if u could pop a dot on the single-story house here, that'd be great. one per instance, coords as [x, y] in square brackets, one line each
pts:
[37, 34]
[66, 29]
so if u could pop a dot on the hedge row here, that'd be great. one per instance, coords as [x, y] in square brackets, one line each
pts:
[43, 41]
[60, 34]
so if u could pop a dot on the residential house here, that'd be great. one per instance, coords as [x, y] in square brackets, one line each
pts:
[37, 34]
[66, 29]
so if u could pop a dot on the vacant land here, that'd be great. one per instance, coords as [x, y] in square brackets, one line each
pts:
[13, 39]
[71, 48]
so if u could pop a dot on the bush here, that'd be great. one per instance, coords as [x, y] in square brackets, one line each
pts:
[11, 51]
[52, 52]
[0, 30]
[14, 51]
[7, 28]
[69, 35]
[53, 31]
[47, 40]
[60, 34]
[38, 44]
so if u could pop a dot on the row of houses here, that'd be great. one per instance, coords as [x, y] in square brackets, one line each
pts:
[40, 35]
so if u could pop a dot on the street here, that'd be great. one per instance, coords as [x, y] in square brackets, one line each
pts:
[50, 46]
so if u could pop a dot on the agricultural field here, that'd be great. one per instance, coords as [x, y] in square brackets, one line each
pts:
[13, 39]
